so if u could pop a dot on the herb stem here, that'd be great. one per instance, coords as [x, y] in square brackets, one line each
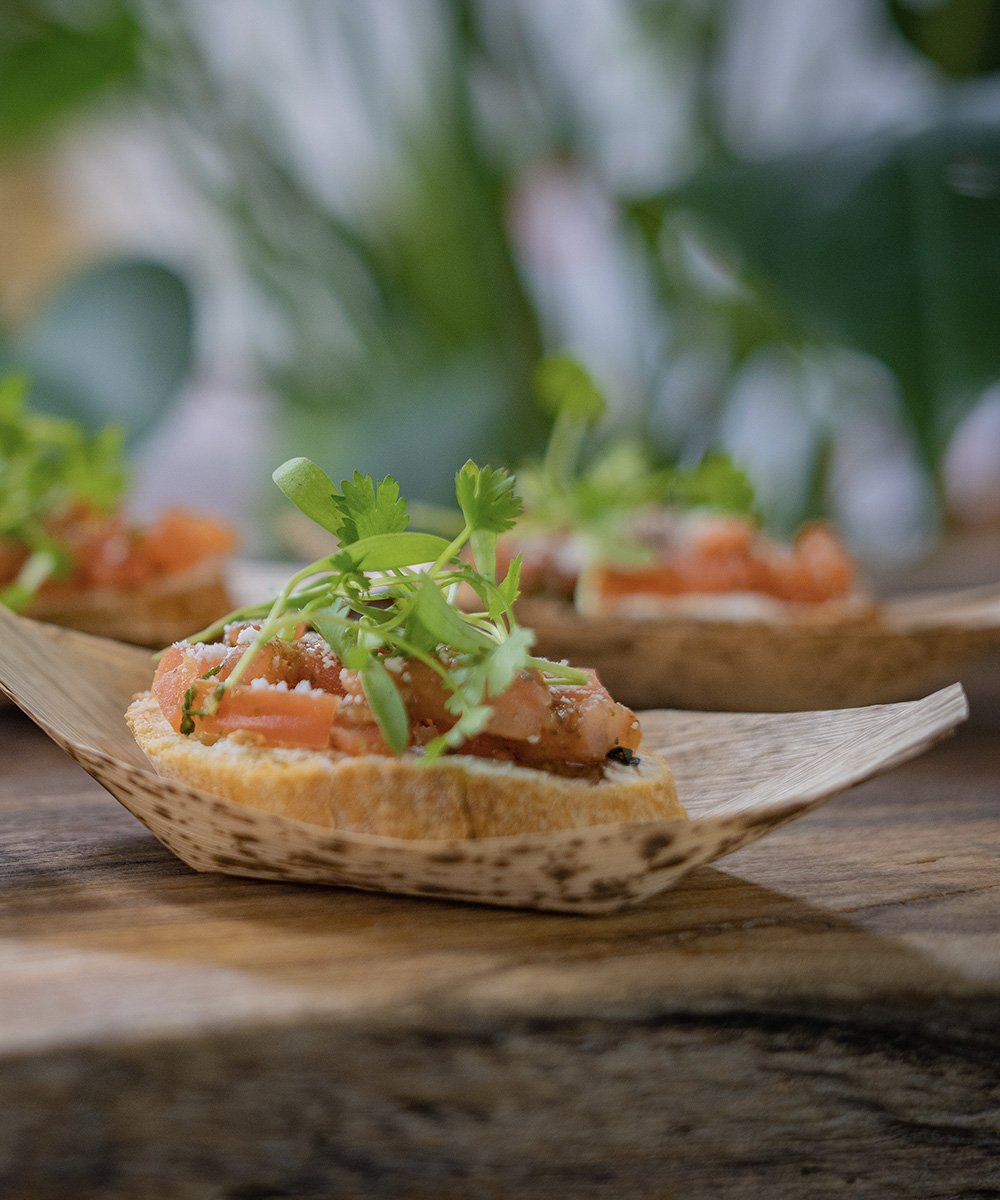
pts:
[572, 675]
[264, 635]
[563, 449]
[451, 551]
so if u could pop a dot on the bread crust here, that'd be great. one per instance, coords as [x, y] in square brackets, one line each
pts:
[154, 615]
[458, 796]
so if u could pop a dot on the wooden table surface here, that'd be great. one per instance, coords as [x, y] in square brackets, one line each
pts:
[817, 1013]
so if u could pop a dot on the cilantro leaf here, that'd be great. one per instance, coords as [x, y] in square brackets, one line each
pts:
[484, 552]
[444, 622]
[506, 659]
[369, 510]
[334, 625]
[387, 551]
[510, 586]
[486, 498]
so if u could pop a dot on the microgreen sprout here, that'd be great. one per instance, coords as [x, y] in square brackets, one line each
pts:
[388, 592]
[597, 501]
[48, 466]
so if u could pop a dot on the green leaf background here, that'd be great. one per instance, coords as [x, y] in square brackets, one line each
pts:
[411, 335]
[889, 246]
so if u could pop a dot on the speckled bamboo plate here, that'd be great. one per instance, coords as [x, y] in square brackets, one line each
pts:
[902, 649]
[739, 776]
[163, 614]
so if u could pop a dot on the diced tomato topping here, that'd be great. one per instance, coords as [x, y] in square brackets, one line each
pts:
[581, 724]
[531, 722]
[106, 552]
[727, 557]
[178, 539]
[282, 717]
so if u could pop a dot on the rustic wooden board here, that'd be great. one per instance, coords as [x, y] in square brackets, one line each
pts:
[820, 1011]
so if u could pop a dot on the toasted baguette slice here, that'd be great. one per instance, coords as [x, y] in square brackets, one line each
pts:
[459, 796]
[154, 615]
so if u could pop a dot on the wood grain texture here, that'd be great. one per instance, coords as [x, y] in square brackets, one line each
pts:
[819, 1016]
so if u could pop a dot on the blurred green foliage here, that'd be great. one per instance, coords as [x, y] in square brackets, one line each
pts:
[113, 346]
[52, 61]
[961, 37]
[408, 337]
[116, 341]
[888, 246]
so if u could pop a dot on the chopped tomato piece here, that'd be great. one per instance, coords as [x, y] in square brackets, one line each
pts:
[278, 699]
[282, 717]
[104, 551]
[727, 557]
[178, 539]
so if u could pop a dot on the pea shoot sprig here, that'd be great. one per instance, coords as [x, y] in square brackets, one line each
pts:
[47, 466]
[376, 598]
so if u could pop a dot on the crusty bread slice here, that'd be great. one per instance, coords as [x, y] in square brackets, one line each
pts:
[156, 614]
[459, 796]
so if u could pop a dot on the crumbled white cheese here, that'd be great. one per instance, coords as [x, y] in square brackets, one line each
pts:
[260, 683]
[206, 655]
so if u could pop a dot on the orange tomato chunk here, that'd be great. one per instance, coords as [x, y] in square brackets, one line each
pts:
[282, 717]
[277, 699]
[728, 556]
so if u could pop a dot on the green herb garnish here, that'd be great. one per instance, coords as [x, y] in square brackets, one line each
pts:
[599, 501]
[388, 593]
[47, 467]
[188, 711]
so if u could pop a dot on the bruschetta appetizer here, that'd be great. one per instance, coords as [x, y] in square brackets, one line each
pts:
[362, 698]
[69, 555]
